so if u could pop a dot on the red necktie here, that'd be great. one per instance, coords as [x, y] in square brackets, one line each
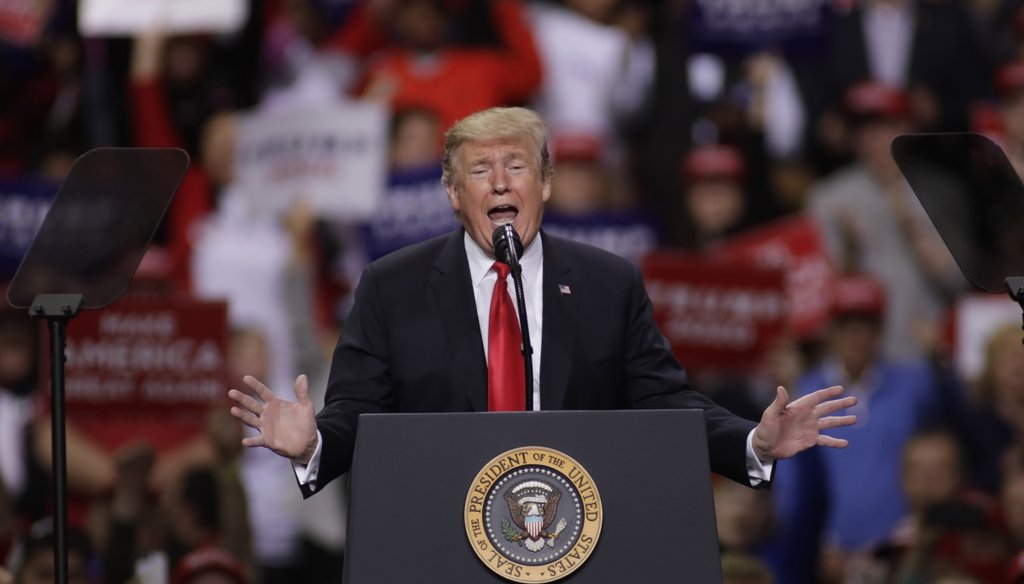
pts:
[506, 387]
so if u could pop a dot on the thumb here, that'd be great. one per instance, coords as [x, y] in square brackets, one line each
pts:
[302, 389]
[780, 401]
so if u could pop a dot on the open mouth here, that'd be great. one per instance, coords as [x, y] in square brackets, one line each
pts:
[502, 214]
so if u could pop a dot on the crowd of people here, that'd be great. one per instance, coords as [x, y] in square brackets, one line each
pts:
[650, 116]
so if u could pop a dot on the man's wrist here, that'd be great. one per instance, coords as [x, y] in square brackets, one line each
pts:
[761, 450]
[310, 450]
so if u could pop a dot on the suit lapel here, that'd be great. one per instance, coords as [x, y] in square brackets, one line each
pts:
[454, 294]
[559, 327]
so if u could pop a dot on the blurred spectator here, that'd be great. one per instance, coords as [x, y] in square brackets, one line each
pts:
[1012, 499]
[32, 561]
[1009, 82]
[744, 516]
[933, 472]
[951, 529]
[415, 135]
[895, 400]
[998, 397]
[931, 50]
[193, 512]
[583, 184]
[596, 75]
[18, 371]
[43, 122]
[775, 106]
[130, 510]
[154, 126]
[872, 223]
[261, 265]
[297, 70]
[203, 506]
[428, 71]
[738, 568]
[414, 206]
[715, 200]
[209, 566]
[1004, 22]
[7, 522]
[758, 97]
[963, 538]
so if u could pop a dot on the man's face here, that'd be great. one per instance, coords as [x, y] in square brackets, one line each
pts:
[872, 143]
[856, 341]
[39, 569]
[931, 471]
[495, 182]
[715, 205]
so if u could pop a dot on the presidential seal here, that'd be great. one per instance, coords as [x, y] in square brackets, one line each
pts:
[533, 514]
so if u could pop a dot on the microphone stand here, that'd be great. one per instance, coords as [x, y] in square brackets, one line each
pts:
[524, 327]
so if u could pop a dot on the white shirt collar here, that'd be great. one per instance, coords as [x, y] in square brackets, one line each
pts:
[480, 264]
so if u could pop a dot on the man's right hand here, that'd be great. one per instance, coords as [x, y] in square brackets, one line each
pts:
[287, 428]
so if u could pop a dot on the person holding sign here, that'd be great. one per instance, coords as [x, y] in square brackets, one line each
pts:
[423, 337]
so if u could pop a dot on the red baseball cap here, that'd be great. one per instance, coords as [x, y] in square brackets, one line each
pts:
[710, 162]
[207, 560]
[872, 99]
[1010, 78]
[578, 147]
[861, 295]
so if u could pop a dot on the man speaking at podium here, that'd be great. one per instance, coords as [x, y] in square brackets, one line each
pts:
[434, 329]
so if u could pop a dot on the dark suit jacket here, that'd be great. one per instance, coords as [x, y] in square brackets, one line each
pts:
[948, 56]
[412, 344]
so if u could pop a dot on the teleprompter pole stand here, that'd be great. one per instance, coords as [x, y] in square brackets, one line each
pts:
[58, 309]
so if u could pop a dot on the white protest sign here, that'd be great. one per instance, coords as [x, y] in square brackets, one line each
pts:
[977, 317]
[130, 17]
[333, 157]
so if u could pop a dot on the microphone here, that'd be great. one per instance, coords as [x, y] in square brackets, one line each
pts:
[507, 246]
[508, 249]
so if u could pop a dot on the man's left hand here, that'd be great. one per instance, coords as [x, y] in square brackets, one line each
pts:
[788, 428]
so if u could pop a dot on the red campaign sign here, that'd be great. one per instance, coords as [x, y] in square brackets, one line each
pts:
[715, 314]
[148, 366]
[794, 246]
[22, 21]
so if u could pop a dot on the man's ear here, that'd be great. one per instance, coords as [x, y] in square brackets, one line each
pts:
[453, 197]
[545, 191]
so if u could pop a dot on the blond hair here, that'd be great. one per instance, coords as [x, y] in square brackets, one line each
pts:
[985, 388]
[497, 123]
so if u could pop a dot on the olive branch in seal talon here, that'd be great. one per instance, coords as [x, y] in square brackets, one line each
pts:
[511, 533]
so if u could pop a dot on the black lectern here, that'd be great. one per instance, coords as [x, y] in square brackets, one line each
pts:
[85, 253]
[579, 497]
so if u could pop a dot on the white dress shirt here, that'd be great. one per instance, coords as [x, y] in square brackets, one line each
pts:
[889, 38]
[482, 275]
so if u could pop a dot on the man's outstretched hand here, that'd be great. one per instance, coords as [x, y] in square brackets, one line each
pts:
[788, 428]
[287, 428]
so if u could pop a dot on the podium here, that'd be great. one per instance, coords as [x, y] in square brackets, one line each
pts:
[471, 497]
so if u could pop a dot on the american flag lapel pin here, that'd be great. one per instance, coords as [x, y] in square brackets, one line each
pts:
[565, 290]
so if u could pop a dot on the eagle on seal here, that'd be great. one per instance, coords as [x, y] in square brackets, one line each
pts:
[533, 505]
